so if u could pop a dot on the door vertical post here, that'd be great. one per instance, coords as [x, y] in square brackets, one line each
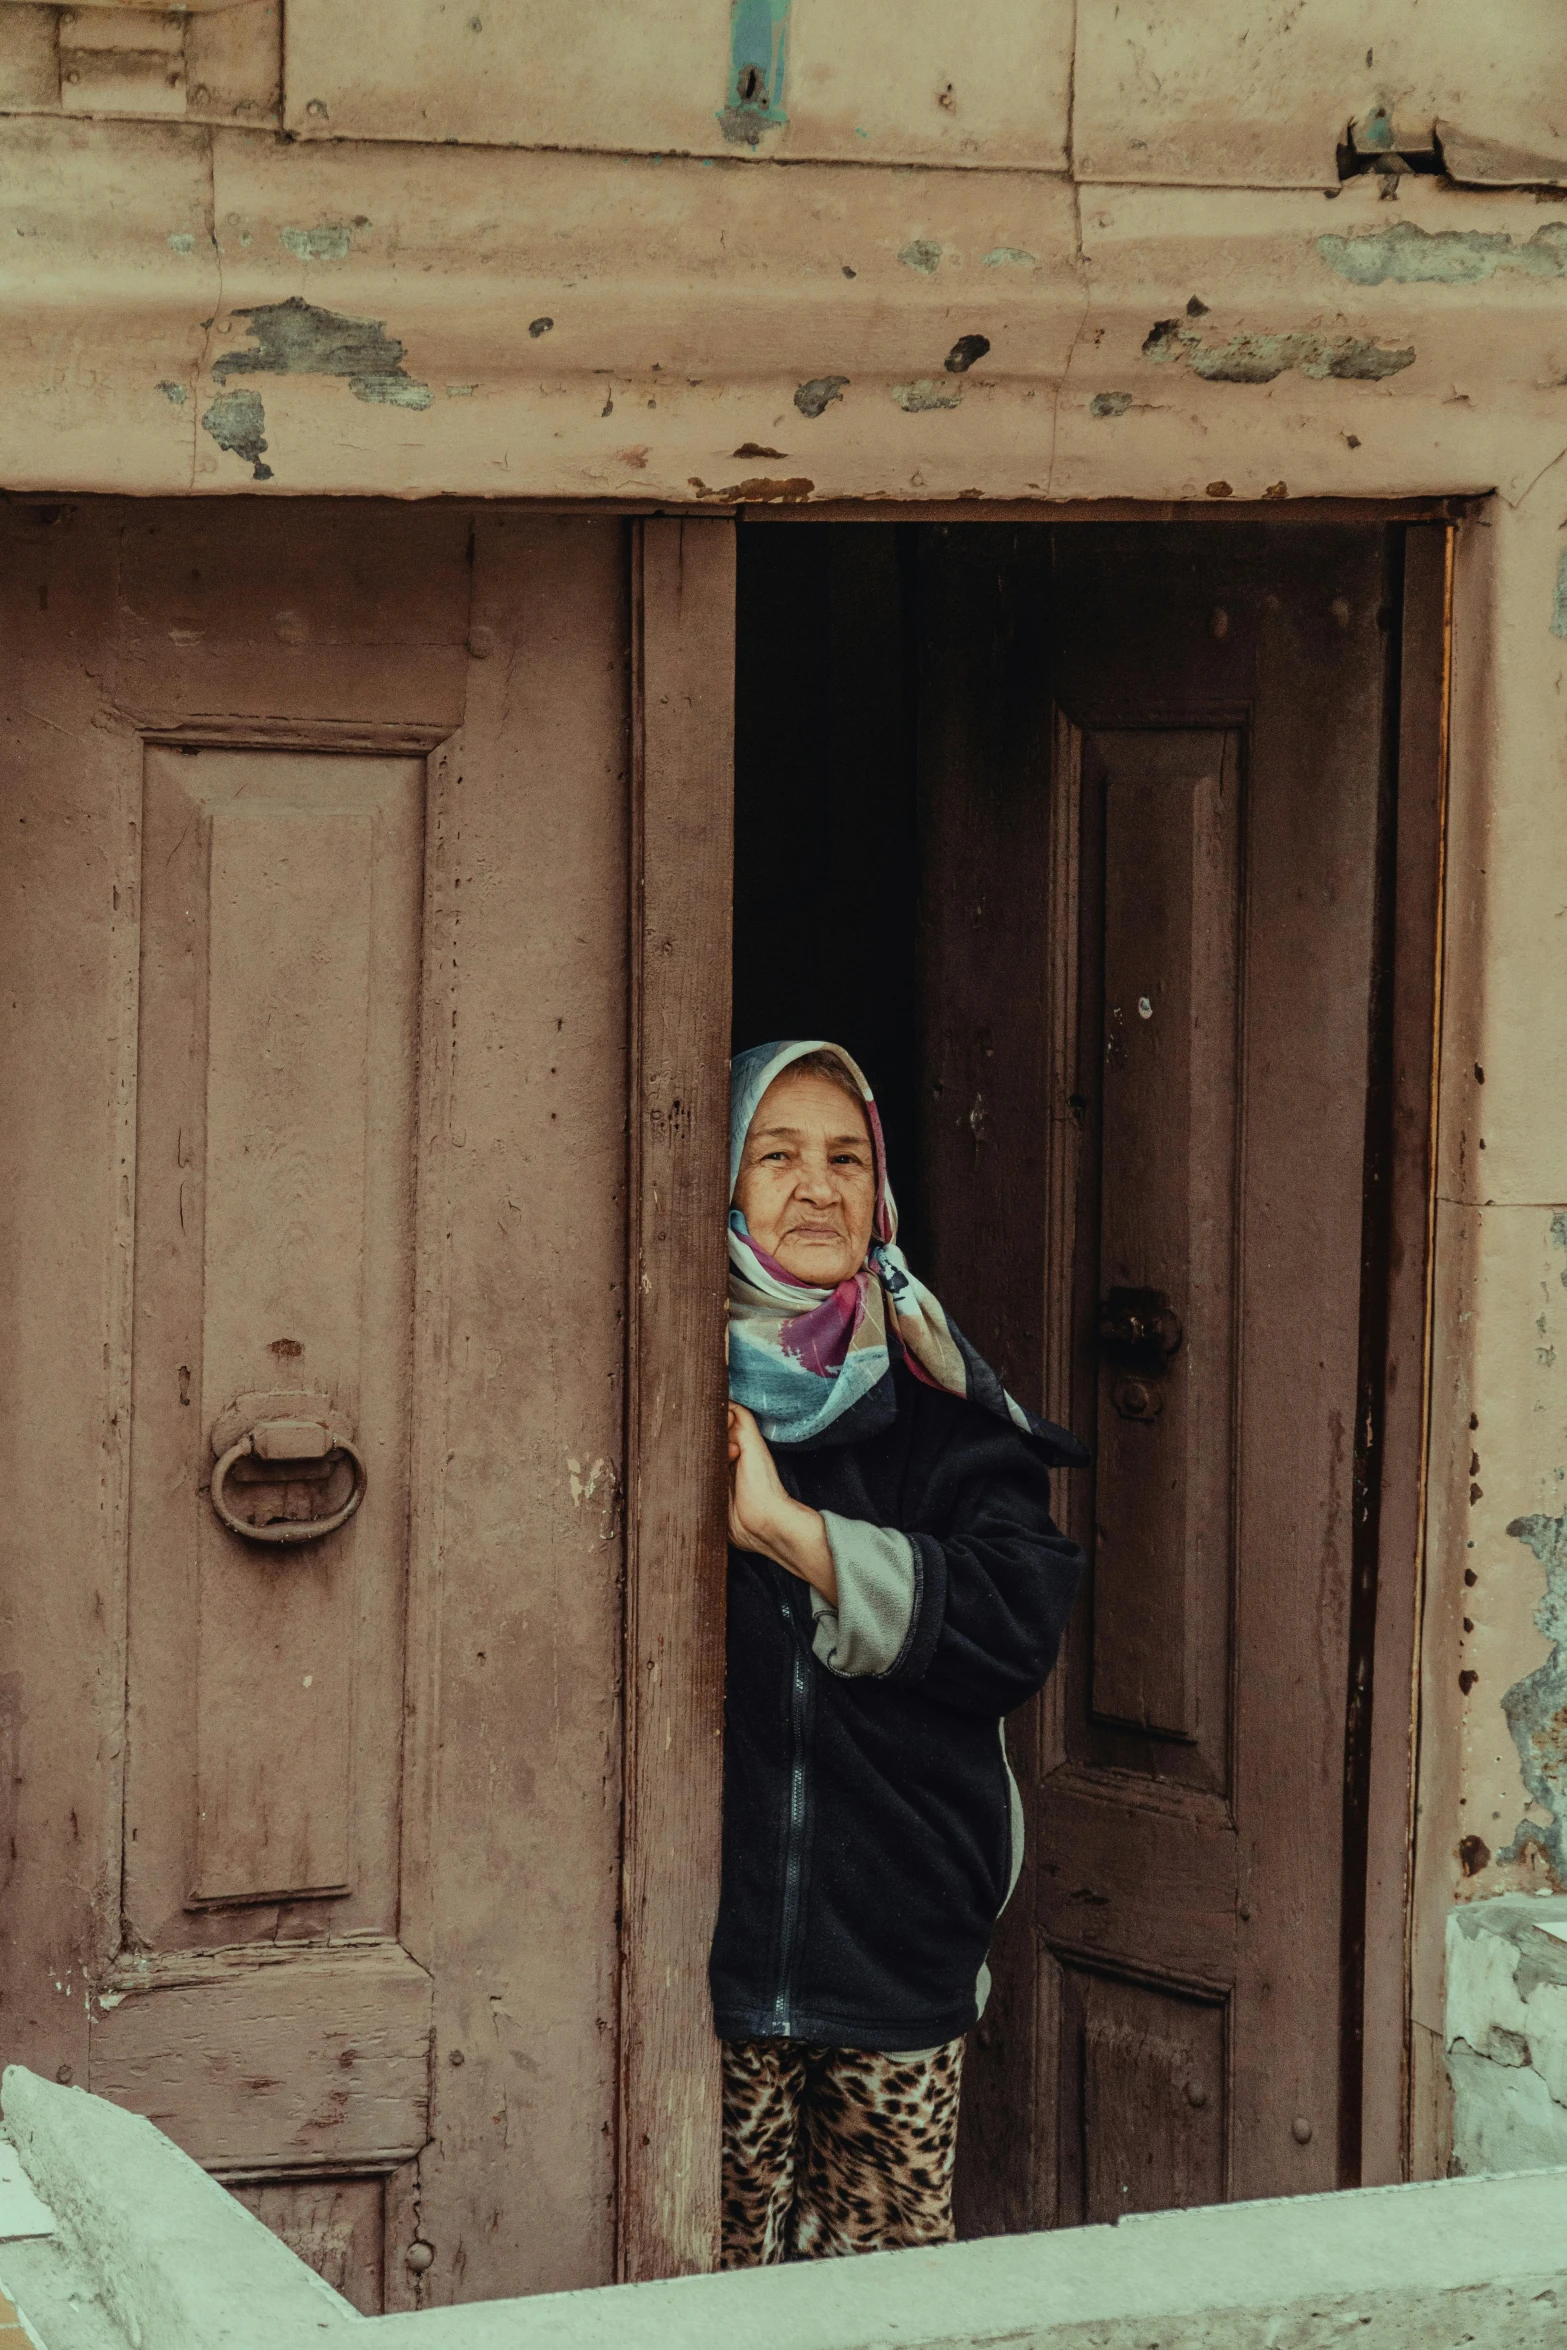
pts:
[682, 763]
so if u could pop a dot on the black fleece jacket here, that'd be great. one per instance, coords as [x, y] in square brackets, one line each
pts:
[870, 1836]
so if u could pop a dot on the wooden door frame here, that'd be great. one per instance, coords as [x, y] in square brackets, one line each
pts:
[682, 749]
[682, 817]
[1399, 1378]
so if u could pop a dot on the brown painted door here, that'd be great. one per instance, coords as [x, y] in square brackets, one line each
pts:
[317, 1000]
[1155, 762]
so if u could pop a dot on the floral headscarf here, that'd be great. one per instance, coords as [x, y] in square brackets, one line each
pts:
[815, 1365]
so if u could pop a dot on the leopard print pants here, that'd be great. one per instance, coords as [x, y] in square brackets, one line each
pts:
[834, 2150]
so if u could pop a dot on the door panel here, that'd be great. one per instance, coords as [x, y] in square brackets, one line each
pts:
[1183, 892]
[1144, 2065]
[315, 1047]
[1167, 804]
[279, 988]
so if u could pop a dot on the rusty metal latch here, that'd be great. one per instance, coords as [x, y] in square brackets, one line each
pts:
[288, 1464]
[1140, 1334]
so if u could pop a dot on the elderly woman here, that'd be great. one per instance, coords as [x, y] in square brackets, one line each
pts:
[896, 1587]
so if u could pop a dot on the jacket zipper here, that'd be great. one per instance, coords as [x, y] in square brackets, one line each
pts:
[794, 1847]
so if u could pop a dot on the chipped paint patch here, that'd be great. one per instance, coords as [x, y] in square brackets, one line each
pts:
[1536, 1707]
[237, 422]
[1258, 358]
[964, 353]
[759, 489]
[585, 1482]
[297, 338]
[329, 240]
[758, 71]
[922, 253]
[174, 393]
[1407, 255]
[921, 395]
[1559, 628]
[811, 398]
[1008, 257]
[1109, 403]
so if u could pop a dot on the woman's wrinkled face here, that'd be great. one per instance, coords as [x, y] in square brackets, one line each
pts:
[807, 1181]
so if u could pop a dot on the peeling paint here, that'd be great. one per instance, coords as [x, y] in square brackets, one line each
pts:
[811, 398]
[915, 398]
[297, 338]
[1258, 358]
[922, 253]
[174, 393]
[237, 422]
[758, 490]
[1109, 403]
[1408, 255]
[758, 70]
[964, 352]
[1536, 1706]
[1559, 628]
[1008, 256]
[329, 240]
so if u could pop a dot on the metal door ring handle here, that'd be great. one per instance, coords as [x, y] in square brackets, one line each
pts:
[291, 1530]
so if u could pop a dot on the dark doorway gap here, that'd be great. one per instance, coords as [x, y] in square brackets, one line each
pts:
[827, 858]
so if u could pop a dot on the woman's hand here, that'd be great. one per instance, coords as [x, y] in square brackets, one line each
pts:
[763, 1517]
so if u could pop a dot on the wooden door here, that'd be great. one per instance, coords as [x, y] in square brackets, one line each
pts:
[1159, 768]
[325, 830]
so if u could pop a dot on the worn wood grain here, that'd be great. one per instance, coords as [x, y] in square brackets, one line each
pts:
[512, 1799]
[278, 1037]
[1387, 2061]
[683, 748]
[294, 652]
[272, 2058]
[1167, 927]
[1241, 1892]
[1148, 1884]
[335, 2226]
[69, 789]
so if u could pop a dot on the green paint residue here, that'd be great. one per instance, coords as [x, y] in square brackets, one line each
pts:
[916, 398]
[922, 253]
[1406, 255]
[758, 69]
[237, 422]
[297, 338]
[1559, 626]
[1259, 358]
[182, 241]
[1009, 256]
[329, 240]
[1535, 1706]
[1109, 403]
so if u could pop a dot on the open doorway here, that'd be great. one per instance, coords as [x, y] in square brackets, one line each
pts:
[1111, 851]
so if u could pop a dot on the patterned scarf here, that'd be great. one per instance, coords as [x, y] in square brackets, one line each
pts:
[815, 1365]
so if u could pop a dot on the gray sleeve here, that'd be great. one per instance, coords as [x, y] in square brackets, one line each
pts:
[878, 1573]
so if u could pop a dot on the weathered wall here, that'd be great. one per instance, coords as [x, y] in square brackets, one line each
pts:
[764, 251]
[503, 255]
[1507, 2033]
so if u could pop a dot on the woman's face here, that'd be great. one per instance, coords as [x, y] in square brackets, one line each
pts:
[807, 1181]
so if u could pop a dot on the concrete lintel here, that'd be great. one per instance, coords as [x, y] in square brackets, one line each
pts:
[224, 313]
